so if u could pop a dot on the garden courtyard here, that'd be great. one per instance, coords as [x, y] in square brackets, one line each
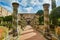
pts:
[42, 25]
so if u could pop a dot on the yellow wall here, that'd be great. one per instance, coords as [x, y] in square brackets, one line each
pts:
[0, 9]
[57, 30]
[4, 12]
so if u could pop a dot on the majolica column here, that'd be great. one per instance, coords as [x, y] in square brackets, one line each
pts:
[46, 14]
[46, 21]
[14, 15]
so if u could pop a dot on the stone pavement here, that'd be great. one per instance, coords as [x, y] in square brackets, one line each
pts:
[30, 34]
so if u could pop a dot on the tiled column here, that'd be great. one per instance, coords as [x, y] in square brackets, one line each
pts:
[46, 14]
[14, 19]
[47, 33]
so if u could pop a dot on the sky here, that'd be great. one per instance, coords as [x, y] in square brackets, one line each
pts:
[27, 6]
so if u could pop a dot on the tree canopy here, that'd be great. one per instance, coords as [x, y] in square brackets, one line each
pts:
[41, 18]
[8, 18]
[40, 12]
[55, 15]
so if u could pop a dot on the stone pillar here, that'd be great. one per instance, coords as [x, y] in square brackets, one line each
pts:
[46, 21]
[14, 19]
[46, 14]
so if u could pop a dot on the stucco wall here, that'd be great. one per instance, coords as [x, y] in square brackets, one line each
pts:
[4, 12]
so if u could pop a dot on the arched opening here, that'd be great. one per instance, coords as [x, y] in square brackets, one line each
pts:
[28, 21]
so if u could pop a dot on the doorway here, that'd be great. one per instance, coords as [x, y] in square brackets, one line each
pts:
[28, 21]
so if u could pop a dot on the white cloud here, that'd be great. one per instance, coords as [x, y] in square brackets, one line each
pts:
[47, 1]
[24, 2]
[35, 2]
[14, 1]
[57, 0]
[38, 3]
[29, 9]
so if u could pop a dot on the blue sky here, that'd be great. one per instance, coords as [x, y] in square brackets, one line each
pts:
[27, 6]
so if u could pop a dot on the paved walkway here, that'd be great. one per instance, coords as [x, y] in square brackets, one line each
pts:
[30, 34]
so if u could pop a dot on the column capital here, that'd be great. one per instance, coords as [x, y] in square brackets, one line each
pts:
[46, 6]
[15, 4]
